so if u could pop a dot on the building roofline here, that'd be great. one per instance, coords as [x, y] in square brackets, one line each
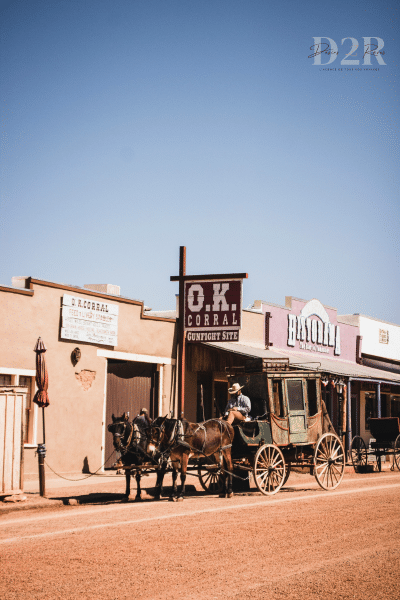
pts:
[31, 281]
[12, 290]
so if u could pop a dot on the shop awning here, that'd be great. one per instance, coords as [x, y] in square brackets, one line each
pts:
[313, 362]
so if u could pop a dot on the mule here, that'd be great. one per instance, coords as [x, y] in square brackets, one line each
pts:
[179, 441]
[130, 439]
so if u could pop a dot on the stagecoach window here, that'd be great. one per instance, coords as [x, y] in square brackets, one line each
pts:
[295, 394]
[278, 398]
[312, 396]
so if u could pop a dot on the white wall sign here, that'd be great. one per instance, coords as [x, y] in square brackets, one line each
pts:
[89, 320]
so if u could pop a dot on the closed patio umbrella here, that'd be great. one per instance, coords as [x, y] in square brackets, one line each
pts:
[42, 378]
[42, 399]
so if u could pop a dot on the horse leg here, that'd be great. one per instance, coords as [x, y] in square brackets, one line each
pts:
[159, 481]
[228, 476]
[174, 495]
[138, 476]
[184, 465]
[127, 483]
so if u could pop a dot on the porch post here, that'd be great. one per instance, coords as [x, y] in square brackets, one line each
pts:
[349, 432]
[378, 400]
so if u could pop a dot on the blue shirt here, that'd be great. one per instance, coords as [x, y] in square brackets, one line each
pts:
[241, 403]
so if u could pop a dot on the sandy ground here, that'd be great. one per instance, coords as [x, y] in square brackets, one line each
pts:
[303, 543]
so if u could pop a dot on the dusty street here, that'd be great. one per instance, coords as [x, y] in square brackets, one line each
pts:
[303, 543]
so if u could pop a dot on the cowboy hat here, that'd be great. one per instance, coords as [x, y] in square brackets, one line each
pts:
[235, 388]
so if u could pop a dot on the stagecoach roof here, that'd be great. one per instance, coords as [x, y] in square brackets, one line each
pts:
[316, 363]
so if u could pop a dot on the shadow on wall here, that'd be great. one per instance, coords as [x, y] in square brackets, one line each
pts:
[85, 468]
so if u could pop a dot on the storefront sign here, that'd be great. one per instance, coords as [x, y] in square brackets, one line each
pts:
[316, 334]
[213, 307]
[212, 336]
[89, 320]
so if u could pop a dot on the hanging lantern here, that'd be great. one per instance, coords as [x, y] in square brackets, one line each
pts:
[340, 386]
[324, 381]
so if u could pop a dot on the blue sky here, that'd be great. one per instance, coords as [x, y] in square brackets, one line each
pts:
[132, 127]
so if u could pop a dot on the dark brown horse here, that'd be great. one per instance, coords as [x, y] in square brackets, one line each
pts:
[130, 440]
[179, 441]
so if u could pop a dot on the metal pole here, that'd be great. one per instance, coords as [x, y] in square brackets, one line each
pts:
[41, 452]
[181, 333]
[349, 432]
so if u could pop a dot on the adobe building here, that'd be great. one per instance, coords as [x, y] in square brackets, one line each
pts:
[105, 354]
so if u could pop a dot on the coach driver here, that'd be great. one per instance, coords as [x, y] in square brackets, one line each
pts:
[238, 406]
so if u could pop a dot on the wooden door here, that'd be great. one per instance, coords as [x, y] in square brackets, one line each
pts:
[12, 401]
[131, 386]
[296, 411]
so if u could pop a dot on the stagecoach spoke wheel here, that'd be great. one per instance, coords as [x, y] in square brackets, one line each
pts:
[397, 452]
[358, 452]
[329, 461]
[269, 469]
[211, 479]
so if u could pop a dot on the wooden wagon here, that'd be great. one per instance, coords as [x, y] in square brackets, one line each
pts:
[290, 429]
[385, 434]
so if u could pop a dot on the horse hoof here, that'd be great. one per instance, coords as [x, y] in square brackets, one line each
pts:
[180, 499]
[125, 499]
[172, 499]
[138, 499]
[229, 495]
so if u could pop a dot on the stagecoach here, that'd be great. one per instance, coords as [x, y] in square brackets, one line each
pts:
[385, 434]
[289, 429]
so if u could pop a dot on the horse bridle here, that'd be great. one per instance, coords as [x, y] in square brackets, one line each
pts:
[125, 446]
[171, 441]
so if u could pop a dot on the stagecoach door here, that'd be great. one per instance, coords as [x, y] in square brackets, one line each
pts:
[131, 386]
[296, 411]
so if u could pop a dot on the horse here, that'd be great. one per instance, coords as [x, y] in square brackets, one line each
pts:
[130, 439]
[180, 440]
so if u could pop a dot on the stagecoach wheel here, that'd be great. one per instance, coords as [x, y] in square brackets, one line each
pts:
[269, 469]
[329, 461]
[211, 480]
[397, 452]
[358, 452]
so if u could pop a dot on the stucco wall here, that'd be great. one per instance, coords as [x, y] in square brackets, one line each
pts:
[252, 331]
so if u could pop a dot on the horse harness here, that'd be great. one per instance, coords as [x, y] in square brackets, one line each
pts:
[134, 433]
[177, 436]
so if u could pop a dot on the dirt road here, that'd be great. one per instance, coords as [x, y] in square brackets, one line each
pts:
[303, 543]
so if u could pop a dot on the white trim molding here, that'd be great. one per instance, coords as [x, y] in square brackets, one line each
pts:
[158, 360]
[26, 372]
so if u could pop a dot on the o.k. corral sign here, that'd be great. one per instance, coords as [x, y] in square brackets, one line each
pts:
[213, 310]
[89, 320]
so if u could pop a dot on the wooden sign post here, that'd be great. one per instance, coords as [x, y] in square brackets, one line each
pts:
[200, 306]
